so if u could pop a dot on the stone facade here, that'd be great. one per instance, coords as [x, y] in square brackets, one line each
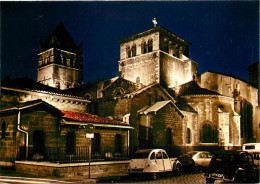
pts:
[156, 101]
[156, 56]
[245, 100]
[38, 127]
[60, 61]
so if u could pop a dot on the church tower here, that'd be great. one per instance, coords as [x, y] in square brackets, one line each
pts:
[60, 60]
[156, 56]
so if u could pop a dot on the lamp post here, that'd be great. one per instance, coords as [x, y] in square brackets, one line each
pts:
[89, 135]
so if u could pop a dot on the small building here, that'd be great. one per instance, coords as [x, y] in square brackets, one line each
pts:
[36, 130]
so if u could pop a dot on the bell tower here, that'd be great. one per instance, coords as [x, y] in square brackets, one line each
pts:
[60, 60]
[156, 56]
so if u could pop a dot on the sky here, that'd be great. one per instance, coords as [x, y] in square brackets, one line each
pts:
[224, 34]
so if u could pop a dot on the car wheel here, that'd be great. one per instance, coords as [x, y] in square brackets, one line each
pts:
[210, 180]
[178, 170]
[200, 169]
[239, 177]
[154, 176]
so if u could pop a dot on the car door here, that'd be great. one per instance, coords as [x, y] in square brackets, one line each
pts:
[159, 161]
[166, 162]
[206, 159]
[249, 167]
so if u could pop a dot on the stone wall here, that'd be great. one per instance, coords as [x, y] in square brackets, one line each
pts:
[218, 113]
[145, 66]
[174, 71]
[59, 76]
[65, 170]
[245, 100]
[60, 101]
[121, 106]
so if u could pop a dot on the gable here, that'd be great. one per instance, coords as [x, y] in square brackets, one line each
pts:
[32, 106]
[118, 88]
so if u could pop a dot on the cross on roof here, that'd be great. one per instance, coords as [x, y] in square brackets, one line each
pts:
[154, 22]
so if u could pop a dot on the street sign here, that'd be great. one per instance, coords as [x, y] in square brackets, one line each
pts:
[90, 135]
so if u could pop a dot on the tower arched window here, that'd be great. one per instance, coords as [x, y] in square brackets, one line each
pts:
[134, 50]
[188, 136]
[128, 51]
[138, 80]
[208, 134]
[150, 45]
[58, 85]
[3, 129]
[143, 47]
[165, 45]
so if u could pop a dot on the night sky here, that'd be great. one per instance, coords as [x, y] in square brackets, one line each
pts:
[224, 35]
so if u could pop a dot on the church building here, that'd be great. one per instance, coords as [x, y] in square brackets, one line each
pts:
[158, 100]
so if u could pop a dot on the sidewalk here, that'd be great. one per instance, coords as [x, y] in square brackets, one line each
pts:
[94, 178]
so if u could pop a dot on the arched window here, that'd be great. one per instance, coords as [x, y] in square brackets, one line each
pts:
[188, 136]
[70, 143]
[143, 48]
[138, 80]
[58, 85]
[133, 50]
[3, 130]
[87, 96]
[150, 45]
[128, 51]
[208, 134]
[168, 136]
[166, 45]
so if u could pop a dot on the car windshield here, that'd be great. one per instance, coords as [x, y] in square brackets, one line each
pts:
[188, 155]
[143, 154]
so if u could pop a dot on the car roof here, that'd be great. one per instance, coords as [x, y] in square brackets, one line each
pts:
[230, 152]
[149, 150]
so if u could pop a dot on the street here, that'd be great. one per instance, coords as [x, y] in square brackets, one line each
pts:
[10, 176]
[165, 178]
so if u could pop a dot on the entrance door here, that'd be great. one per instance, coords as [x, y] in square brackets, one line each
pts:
[38, 142]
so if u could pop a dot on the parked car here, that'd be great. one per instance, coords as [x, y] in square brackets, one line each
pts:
[254, 149]
[197, 160]
[232, 166]
[153, 161]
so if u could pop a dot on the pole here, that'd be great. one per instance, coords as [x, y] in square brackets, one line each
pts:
[89, 157]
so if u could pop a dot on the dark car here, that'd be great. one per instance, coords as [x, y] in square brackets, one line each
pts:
[232, 166]
[197, 160]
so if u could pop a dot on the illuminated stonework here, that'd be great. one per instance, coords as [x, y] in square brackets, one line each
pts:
[60, 61]
[156, 56]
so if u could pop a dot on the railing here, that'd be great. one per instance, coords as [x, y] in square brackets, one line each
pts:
[81, 154]
[78, 154]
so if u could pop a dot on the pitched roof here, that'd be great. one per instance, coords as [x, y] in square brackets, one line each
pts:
[150, 31]
[90, 118]
[192, 88]
[155, 107]
[32, 85]
[32, 104]
[183, 105]
[60, 38]
[219, 73]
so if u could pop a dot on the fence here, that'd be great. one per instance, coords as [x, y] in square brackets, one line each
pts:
[79, 154]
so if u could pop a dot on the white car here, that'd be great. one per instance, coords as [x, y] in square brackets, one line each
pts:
[153, 161]
[196, 159]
